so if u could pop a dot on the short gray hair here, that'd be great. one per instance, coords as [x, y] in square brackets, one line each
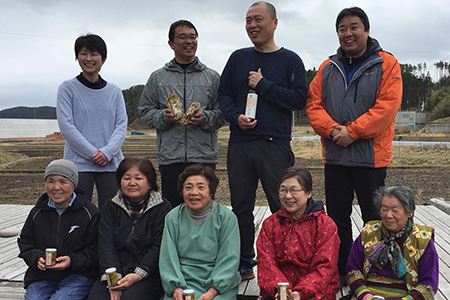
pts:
[403, 193]
[269, 8]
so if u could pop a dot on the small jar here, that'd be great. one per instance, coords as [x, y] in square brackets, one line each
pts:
[283, 290]
[50, 256]
[377, 297]
[188, 295]
[111, 276]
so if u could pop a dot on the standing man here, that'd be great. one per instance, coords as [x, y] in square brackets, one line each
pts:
[259, 149]
[352, 105]
[180, 145]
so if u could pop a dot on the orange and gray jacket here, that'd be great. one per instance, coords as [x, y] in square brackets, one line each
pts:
[366, 105]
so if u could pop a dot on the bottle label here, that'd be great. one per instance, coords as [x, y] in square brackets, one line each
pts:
[250, 108]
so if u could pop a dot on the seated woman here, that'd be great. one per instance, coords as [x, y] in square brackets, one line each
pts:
[62, 219]
[200, 245]
[130, 232]
[298, 244]
[394, 257]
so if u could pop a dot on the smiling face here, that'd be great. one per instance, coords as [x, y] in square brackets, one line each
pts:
[196, 193]
[393, 214]
[134, 184]
[184, 44]
[353, 36]
[59, 189]
[293, 198]
[90, 62]
[260, 27]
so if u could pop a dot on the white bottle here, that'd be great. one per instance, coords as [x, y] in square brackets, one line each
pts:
[252, 102]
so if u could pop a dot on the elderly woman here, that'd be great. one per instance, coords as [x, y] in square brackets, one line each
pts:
[395, 257]
[299, 244]
[130, 232]
[200, 245]
[62, 219]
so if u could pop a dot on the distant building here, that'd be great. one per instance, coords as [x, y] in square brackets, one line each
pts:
[416, 120]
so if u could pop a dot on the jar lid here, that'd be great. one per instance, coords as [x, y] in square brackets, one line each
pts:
[188, 292]
[283, 283]
[50, 250]
[110, 270]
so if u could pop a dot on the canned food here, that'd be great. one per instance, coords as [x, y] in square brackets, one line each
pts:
[283, 290]
[50, 256]
[188, 295]
[111, 276]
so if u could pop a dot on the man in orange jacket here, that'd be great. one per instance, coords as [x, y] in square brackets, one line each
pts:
[352, 104]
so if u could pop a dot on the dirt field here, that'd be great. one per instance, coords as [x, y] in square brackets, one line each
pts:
[22, 164]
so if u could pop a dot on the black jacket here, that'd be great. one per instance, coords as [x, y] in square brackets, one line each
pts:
[124, 246]
[73, 234]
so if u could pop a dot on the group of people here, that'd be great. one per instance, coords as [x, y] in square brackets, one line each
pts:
[161, 244]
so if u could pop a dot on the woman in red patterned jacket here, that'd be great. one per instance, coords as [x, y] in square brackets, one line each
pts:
[298, 244]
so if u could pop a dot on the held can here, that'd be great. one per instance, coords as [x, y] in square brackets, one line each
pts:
[111, 276]
[252, 102]
[283, 290]
[50, 256]
[188, 295]
[377, 297]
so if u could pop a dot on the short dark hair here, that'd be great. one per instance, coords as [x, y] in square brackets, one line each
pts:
[350, 12]
[144, 165]
[92, 42]
[177, 24]
[202, 170]
[302, 175]
[269, 8]
[403, 193]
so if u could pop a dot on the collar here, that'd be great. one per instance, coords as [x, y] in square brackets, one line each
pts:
[101, 83]
[60, 210]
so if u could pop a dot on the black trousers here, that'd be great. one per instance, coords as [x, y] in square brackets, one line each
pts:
[105, 182]
[247, 163]
[169, 181]
[341, 183]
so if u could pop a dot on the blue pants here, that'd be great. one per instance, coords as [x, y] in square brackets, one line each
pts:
[74, 287]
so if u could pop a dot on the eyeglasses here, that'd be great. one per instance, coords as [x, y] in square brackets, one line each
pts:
[292, 191]
[183, 37]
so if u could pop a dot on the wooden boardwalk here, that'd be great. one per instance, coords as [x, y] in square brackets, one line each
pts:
[12, 269]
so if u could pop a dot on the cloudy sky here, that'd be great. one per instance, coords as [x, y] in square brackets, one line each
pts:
[37, 36]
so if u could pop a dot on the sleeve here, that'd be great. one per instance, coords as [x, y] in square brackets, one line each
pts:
[120, 127]
[428, 275]
[292, 97]
[354, 269]
[224, 273]
[151, 111]
[169, 262]
[87, 256]
[389, 98]
[64, 112]
[227, 103]
[322, 123]
[213, 118]
[269, 274]
[106, 244]
[29, 250]
[149, 262]
[323, 266]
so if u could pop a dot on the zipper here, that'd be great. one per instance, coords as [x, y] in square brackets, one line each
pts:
[185, 127]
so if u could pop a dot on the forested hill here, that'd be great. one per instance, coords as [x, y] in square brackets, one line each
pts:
[22, 112]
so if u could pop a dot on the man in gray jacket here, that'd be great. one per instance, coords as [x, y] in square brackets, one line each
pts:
[178, 144]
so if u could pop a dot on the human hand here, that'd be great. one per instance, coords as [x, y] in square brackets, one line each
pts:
[177, 294]
[100, 158]
[335, 132]
[169, 116]
[294, 296]
[62, 263]
[196, 119]
[254, 78]
[115, 294]
[126, 282]
[245, 123]
[343, 139]
[368, 296]
[209, 295]
[41, 264]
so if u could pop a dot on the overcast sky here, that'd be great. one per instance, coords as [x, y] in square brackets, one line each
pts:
[37, 36]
